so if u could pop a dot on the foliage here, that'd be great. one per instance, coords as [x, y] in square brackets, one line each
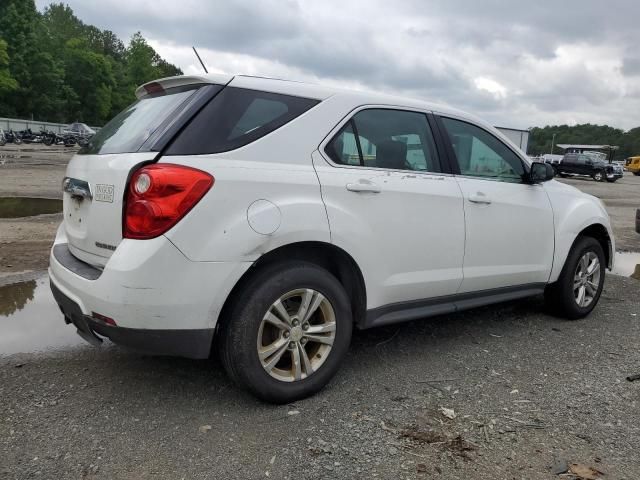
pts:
[55, 67]
[7, 82]
[540, 139]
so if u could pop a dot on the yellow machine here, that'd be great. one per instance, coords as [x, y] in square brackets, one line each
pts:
[633, 165]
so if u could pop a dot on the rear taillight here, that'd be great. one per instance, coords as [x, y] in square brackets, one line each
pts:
[159, 196]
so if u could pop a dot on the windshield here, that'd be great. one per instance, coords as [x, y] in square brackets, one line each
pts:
[128, 131]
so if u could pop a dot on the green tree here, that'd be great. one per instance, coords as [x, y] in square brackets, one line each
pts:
[7, 83]
[144, 62]
[61, 25]
[18, 20]
[55, 67]
[48, 88]
[90, 77]
[540, 139]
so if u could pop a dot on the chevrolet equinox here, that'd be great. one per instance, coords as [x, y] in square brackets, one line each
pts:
[265, 219]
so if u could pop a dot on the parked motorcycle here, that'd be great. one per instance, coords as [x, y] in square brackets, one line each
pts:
[69, 140]
[11, 137]
[28, 136]
[49, 137]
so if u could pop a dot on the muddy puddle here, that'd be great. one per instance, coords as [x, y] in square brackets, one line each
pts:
[15, 207]
[30, 320]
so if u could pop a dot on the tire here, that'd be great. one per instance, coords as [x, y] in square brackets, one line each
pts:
[17, 141]
[48, 141]
[560, 296]
[611, 180]
[243, 329]
[636, 173]
[599, 176]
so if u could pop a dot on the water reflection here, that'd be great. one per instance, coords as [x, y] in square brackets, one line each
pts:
[627, 264]
[14, 207]
[15, 297]
[30, 320]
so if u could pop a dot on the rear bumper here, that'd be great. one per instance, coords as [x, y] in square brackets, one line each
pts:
[195, 343]
[161, 302]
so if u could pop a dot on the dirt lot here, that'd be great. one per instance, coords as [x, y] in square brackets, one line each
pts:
[29, 171]
[528, 394]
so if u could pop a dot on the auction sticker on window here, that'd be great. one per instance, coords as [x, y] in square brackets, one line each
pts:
[103, 193]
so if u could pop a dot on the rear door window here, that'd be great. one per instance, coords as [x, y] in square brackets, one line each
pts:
[386, 138]
[236, 117]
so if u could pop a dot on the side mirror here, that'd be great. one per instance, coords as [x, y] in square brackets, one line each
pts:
[541, 172]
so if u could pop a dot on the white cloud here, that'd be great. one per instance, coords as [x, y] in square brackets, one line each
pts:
[575, 61]
[498, 91]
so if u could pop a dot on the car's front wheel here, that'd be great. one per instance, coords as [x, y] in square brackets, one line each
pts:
[286, 332]
[577, 291]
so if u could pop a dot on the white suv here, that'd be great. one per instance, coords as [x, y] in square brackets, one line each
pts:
[265, 219]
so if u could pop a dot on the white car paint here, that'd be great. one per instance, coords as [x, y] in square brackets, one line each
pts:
[418, 237]
[150, 284]
[498, 234]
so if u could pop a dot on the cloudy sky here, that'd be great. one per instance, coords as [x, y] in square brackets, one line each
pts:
[516, 63]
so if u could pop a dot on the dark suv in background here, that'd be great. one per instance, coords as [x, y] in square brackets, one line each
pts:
[583, 164]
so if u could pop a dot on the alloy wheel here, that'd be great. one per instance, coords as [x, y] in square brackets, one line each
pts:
[586, 279]
[296, 335]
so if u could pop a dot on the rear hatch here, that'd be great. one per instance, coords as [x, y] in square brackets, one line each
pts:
[95, 185]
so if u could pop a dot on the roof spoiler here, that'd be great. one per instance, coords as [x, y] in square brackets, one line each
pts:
[162, 84]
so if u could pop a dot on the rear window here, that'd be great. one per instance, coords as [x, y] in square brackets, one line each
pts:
[236, 117]
[128, 131]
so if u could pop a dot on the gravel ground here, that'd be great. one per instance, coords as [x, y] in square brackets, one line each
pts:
[528, 391]
[528, 394]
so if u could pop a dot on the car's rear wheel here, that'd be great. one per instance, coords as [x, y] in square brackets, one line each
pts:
[287, 332]
[598, 176]
[577, 291]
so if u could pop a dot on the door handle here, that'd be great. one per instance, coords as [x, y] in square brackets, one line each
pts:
[363, 186]
[479, 198]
